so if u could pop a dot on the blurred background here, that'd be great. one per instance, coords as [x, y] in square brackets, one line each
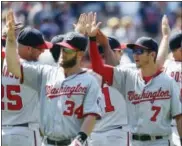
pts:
[125, 20]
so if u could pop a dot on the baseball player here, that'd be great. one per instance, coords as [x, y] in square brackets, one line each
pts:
[20, 103]
[173, 68]
[70, 98]
[2, 57]
[152, 103]
[18, 27]
[109, 130]
[111, 123]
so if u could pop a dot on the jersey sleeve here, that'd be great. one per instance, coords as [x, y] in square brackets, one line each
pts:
[166, 63]
[32, 74]
[176, 105]
[93, 102]
[119, 78]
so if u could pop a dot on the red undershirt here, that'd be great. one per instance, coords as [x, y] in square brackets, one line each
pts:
[147, 79]
[2, 54]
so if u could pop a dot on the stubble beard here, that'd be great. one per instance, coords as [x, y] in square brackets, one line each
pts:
[70, 63]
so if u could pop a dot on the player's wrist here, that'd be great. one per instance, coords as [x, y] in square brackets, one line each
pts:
[93, 38]
[81, 137]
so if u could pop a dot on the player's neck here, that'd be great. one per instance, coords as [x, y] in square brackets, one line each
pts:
[73, 70]
[177, 56]
[179, 59]
[149, 70]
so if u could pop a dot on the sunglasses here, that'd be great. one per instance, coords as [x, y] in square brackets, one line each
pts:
[68, 51]
[139, 51]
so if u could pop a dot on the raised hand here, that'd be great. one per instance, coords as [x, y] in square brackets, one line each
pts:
[10, 24]
[81, 24]
[165, 26]
[75, 143]
[101, 38]
[92, 25]
[18, 26]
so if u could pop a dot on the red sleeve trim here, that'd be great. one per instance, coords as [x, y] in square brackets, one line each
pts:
[22, 75]
[3, 38]
[177, 115]
[92, 114]
[2, 54]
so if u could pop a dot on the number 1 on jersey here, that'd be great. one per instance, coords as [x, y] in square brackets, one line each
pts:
[109, 107]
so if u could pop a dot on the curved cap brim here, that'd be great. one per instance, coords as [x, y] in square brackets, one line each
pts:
[66, 45]
[46, 45]
[136, 46]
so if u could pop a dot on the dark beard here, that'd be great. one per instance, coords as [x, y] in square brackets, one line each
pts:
[70, 63]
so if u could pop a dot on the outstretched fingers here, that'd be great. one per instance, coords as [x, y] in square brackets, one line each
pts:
[98, 24]
[164, 20]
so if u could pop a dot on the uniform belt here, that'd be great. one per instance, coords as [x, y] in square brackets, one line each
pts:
[59, 143]
[120, 127]
[17, 125]
[145, 137]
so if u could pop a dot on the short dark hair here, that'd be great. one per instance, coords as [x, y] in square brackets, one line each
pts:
[56, 49]
[175, 41]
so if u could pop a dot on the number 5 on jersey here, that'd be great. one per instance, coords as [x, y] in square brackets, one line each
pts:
[14, 102]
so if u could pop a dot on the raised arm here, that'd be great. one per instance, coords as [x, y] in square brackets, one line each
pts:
[163, 48]
[13, 63]
[109, 55]
[80, 26]
[105, 71]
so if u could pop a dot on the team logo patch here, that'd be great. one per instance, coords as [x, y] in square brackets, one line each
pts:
[53, 92]
[148, 96]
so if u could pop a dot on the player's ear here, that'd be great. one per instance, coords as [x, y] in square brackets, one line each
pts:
[29, 48]
[153, 54]
[80, 55]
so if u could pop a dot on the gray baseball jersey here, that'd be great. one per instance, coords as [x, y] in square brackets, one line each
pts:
[173, 69]
[114, 108]
[151, 105]
[64, 100]
[19, 103]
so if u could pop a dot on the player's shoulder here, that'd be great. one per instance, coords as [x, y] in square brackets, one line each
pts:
[169, 62]
[91, 72]
[90, 75]
[95, 76]
[166, 76]
[129, 69]
[37, 64]
[127, 66]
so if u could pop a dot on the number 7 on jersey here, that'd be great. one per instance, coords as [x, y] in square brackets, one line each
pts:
[156, 110]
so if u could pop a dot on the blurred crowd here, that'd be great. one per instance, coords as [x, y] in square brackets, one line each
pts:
[125, 20]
